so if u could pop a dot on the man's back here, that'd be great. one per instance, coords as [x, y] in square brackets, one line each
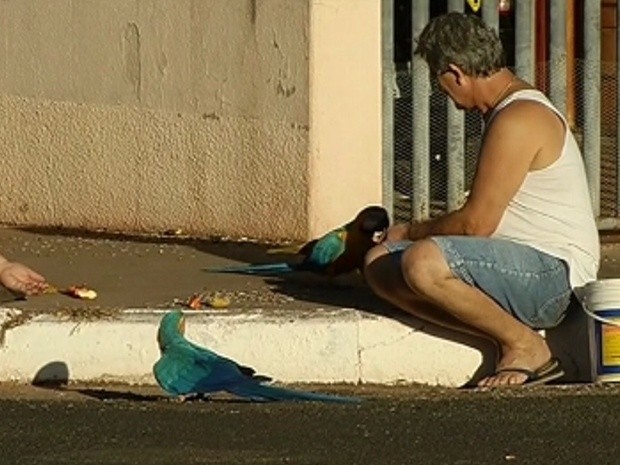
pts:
[551, 211]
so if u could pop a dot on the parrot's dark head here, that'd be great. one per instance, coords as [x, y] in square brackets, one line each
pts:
[373, 221]
[171, 328]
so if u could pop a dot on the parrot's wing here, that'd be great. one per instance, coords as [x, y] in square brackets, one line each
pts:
[328, 248]
[307, 248]
[357, 245]
[173, 372]
[245, 370]
[184, 370]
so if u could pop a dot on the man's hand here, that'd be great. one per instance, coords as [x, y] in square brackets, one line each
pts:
[20, 278]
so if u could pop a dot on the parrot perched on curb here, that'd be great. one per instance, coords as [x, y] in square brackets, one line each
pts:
[185, 369]
[340, 251]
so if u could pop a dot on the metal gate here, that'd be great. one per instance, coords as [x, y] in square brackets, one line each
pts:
[430, 147]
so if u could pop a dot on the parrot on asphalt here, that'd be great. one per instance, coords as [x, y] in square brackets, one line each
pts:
[340, 251]
[185, 369]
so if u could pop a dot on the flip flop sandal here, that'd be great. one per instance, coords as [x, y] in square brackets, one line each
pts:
[548, 371]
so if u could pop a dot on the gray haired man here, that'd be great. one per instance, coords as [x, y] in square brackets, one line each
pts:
[506, 262]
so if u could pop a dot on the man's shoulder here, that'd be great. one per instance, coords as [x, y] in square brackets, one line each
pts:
[529, 117]
[529, 110]
[528, 130]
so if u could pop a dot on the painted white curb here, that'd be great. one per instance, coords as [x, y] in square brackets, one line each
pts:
[323, 346]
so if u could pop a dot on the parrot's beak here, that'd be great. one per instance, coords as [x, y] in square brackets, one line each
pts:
[379, 236]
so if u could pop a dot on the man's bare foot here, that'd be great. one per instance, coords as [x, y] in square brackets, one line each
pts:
[529, 356]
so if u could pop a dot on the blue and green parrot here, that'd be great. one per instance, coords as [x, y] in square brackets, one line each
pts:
[340, 251]
[185, 369]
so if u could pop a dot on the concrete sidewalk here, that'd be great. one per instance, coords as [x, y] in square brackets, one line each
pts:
[298, 328]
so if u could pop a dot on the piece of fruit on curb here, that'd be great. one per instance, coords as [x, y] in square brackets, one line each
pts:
[218, 301]
[80, 292]
[195, 302]
[77, 292]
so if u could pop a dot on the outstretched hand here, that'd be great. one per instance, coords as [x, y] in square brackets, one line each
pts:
[20, 278]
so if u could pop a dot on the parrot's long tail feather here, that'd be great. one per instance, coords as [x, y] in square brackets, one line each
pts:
[267, 269]
[264, 393]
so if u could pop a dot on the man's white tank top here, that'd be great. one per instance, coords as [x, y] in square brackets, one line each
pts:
[552, 211]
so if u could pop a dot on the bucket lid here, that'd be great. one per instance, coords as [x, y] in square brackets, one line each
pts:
[602, 294]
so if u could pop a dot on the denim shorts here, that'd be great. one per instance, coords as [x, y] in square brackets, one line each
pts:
[529, 284]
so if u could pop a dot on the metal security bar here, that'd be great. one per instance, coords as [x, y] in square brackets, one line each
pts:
[592, 99]
[420, 85]
[524, 56]
[456, 142]
[430, 147]
[557, 56]
[388, 96]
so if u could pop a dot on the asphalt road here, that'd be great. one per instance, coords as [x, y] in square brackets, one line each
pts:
[129, 425]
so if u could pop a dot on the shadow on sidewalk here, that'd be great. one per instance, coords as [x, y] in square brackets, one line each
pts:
[110, 395]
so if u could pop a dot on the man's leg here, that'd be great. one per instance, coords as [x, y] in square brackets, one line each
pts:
[426, 278]
[385, 277]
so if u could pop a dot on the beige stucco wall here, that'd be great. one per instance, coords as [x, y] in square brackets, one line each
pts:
[345, 110]
[146, 115]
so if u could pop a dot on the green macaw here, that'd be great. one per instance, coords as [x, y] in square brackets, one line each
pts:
[185, 368]
[340, 251]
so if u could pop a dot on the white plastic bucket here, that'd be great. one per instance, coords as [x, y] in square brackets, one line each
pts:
[601, 301]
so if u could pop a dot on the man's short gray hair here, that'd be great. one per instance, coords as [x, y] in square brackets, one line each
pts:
[463, 40]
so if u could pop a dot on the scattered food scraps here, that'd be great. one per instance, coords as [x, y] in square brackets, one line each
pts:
[77, 292]
[218, 301]
[195, 302]
[81, 292]
[198, 301]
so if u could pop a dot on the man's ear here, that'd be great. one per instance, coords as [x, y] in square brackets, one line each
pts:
[457, 72]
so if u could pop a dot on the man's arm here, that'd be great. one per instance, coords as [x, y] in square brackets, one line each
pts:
[512, 145]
